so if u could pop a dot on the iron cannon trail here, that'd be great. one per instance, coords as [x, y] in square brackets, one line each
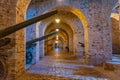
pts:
[26, 23]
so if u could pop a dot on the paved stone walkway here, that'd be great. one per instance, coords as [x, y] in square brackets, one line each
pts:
[67, 70]
[59, 68]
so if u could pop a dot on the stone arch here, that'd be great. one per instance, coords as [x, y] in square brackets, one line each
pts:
[69, 30]
[44, 26]
[83, 20]
[63, 39]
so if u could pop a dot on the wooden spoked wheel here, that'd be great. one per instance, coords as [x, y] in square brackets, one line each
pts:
[28, 57]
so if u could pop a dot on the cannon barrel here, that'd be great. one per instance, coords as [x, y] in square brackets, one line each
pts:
[24, 24]
[29, 43]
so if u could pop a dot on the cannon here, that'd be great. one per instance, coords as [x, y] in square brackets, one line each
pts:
[22, 25]
[41, 38]
[32, 43]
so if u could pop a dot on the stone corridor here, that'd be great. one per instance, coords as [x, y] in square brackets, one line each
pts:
[59, 39]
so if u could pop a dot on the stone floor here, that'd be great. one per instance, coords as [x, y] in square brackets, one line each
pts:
[61, 65]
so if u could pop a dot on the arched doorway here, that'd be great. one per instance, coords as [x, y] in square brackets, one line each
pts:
[77, 28]
[60, 41]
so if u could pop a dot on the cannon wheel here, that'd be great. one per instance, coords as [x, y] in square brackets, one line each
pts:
[3, 68]
[28, 57]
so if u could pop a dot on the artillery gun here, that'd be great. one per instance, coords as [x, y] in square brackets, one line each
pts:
[32, 43]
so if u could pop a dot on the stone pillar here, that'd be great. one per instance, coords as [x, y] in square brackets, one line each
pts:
[100, 48]
[20, 7]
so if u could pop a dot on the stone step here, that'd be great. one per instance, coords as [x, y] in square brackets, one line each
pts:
[111, 65]
[118, 56]
[115, 56]
[115, 59]
[113, 62]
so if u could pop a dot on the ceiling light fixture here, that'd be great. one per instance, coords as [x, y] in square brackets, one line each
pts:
[57, 30]
[57, 20]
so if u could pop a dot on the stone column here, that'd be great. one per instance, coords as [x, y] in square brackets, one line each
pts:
[100, 48]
